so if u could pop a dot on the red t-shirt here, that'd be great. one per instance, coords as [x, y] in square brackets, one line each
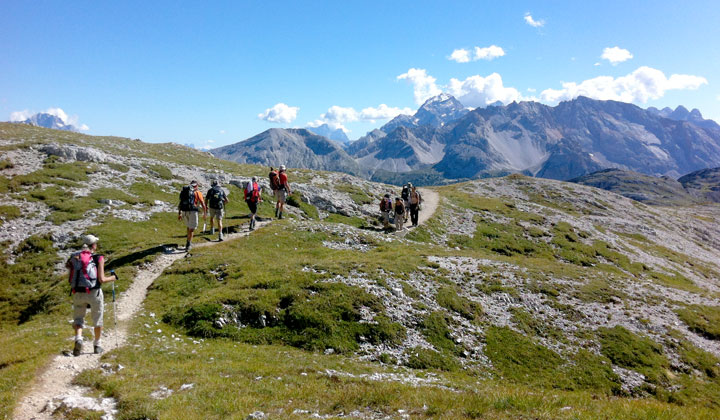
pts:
[283, 180]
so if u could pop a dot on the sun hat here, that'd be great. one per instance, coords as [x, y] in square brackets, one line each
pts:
[90, 239]
[214, 182]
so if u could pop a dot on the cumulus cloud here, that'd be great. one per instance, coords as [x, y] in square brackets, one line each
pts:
[485, 53]
[424, 85]
[460, 55]
[337, 116]
[280, 113]
[18, 116]
[57, 112]
[532, 22]
[383, 112]
[488, 53]
[616, 55]
[643, 84]
[478, 91]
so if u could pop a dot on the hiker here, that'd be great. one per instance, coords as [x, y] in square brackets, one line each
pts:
[415, 200]
[86, 273]
[282, 192]
[405, 194]
[190, 199]
[399, 213]
[385, 209]
[216, 200]
[252, 198]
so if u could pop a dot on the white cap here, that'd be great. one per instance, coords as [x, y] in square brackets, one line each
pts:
[282, 167]
[90, 239]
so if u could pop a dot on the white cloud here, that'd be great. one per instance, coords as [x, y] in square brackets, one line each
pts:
[597, 64]
[383, 112]
[423, 84]
[20, 115]
[488, 53]
[643, 84]
[57, 112]
[280, 113]
[616, 55]
[460, 55]
[222, 131]
[478, 91]
[485, 53]
[337, 116]
[532, 22]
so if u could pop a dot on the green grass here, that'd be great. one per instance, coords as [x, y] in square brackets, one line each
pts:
[8, 212]
[704, 320]
[632, 351]
[162, 171]
[448, 298]
[357, 194]
[6, 164]
[519, 359]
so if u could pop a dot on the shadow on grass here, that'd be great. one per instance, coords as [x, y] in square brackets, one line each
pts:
[135, 256]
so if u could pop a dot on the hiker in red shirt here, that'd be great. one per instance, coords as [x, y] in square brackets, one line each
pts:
[252, 197]
[282, 192]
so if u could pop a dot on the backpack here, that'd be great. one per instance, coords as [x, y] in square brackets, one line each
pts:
[84, 274]
[274, 181]
[187, 199]
[216, 198]
[415, 197]
[386, 204]
[253, 195]
[405, 193]
[399, 208]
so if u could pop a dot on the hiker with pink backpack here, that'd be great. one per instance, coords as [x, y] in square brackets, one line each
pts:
[86, 274]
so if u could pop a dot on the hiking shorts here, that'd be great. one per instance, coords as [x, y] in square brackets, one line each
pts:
[217, 214]
[252, 206]
[280, 195]
[80, 303]
[191, 219]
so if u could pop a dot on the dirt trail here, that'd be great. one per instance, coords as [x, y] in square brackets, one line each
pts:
[55, 382]
[431, 199]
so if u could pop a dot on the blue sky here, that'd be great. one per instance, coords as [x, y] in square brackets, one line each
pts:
[214, 73]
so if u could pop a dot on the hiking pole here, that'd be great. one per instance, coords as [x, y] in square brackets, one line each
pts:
[115, 308]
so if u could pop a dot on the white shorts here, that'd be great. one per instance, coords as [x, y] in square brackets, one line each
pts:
[191, 219]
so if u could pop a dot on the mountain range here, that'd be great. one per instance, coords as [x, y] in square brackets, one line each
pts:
[445, 142]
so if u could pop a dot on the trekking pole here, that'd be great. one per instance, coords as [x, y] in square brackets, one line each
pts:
[117, 345]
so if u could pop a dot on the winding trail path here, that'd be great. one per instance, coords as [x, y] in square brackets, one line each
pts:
[55, 383]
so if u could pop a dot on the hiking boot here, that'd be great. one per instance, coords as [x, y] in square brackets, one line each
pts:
[78, 348]
[97, 349]
[280, 215]
[276, 211]
[220, 237]
[188, 246]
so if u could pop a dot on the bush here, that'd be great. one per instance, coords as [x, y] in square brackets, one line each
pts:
[420, 358]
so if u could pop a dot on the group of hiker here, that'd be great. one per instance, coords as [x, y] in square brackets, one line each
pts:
[86, 269]
[407, 203]
[192, 201]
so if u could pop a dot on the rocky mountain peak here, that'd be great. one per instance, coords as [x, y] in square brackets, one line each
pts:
[49, 121]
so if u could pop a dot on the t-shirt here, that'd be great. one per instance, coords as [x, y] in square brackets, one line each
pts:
[283, 180]
[199, 201]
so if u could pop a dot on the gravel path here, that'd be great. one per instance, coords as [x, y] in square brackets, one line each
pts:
[54, 386]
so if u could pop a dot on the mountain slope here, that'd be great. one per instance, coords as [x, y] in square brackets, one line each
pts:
[646, 189]
[294, 148]
[544, 293]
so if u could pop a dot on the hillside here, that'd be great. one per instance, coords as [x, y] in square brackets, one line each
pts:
[523, 297]
[644, 188]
